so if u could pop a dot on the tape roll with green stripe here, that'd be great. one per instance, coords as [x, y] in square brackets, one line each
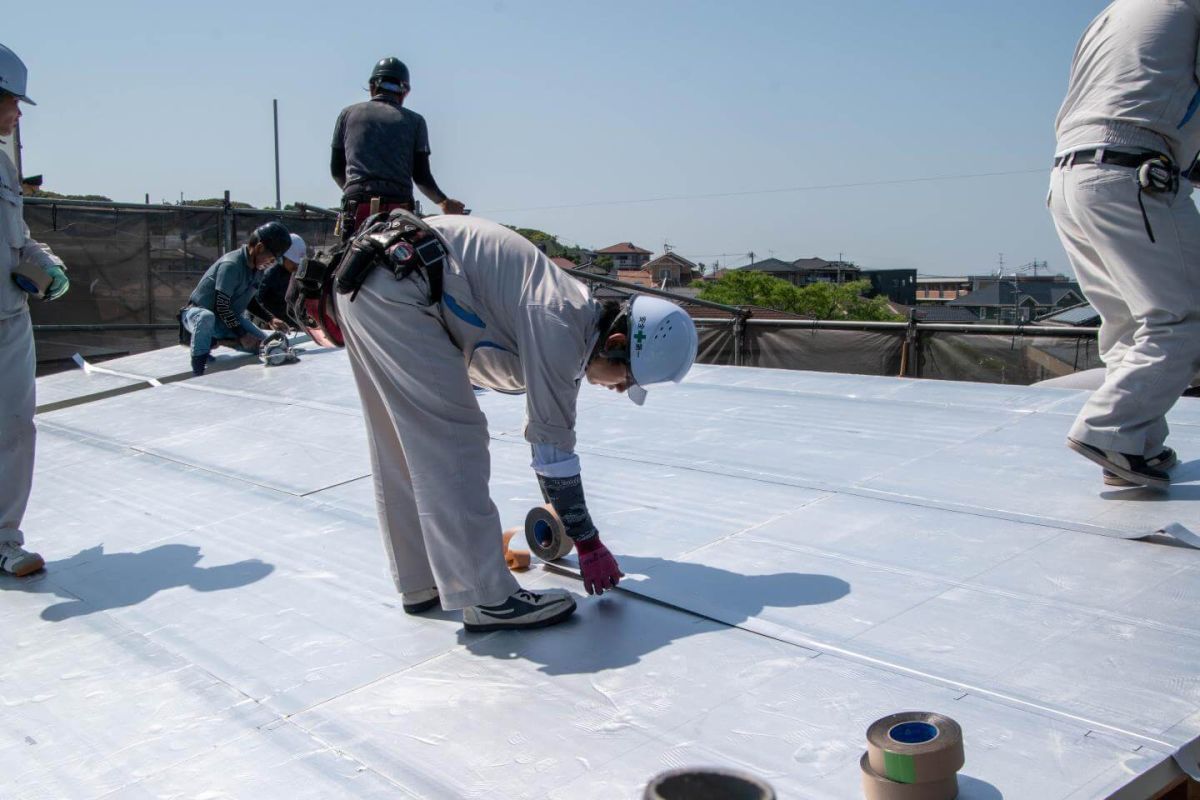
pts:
[915, 747]
[877, 787]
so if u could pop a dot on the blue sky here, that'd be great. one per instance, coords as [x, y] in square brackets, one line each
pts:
[534, 107]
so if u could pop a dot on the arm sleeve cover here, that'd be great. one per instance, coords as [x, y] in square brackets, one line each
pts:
[566, 495]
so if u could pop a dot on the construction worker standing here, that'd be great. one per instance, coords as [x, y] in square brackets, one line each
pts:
[380, 149]
[26, 268]
[1128, 126]
[216, 309]
[453, 301]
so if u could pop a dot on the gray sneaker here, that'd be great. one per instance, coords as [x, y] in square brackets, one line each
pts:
[16, 560]
[523, 609]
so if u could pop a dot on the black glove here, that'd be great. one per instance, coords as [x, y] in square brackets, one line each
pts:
[566, 495]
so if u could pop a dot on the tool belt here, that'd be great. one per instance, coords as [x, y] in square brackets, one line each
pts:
[400, 242]
[1154, 173]
[356, 209]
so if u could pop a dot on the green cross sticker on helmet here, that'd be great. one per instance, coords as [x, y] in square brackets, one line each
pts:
[665, 344]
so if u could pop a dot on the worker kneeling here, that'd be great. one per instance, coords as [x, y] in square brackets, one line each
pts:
[426, 308]
[216, 309]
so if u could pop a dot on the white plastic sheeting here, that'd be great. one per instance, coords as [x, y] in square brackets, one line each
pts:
[217, 619]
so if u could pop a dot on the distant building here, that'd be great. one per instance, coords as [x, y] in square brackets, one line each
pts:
[804, 271]
[1019, 298]
[672, 270]
[897, 285]
[565, 263]
[626, 255]
[941, 289]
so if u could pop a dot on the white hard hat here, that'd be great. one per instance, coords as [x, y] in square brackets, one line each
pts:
[13, 74]
[297, 251]
[662, 344]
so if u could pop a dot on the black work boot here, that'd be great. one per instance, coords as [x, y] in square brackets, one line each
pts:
[198, 365]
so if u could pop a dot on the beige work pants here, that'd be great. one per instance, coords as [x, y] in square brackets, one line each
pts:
[1147, 294]
[429, 445]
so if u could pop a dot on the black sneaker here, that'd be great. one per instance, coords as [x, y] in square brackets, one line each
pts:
[523, 609]
[1165, 460]
[1132, 468]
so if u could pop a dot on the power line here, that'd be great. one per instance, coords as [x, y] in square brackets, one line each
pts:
[811, 188]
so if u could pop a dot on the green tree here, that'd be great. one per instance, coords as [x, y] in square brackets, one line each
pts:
[818, 300]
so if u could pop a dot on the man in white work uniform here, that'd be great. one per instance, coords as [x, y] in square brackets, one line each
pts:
[26, 268]
[1124, 213]
[465, 301]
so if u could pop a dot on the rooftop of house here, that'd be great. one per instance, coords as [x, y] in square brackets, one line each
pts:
[1007, 292]
[1083, 314]
[623, 248]
[805, 553]
[776, 265]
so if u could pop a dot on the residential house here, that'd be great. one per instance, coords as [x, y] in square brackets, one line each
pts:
[804, 271]
[672, 270]
[1019, 298]
[941, 289]
[626, 255]
[565, 263]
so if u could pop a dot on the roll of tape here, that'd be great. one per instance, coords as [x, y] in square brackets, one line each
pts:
[545, 533]
[877, 787]
[31, 279]
[915, 747]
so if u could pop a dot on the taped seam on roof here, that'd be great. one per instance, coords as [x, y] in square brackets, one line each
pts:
[786, 635]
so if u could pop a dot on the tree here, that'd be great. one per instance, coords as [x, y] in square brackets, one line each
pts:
[818, 300]
[57, 196]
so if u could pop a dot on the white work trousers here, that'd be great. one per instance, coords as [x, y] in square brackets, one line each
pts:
[1146, 292]
[17, 434]
[429, 445]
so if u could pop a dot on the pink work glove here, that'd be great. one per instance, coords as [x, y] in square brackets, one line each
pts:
[599, 568]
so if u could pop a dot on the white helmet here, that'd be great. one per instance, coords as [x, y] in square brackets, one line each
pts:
[662, 343]
[297, 251]
[13, 74]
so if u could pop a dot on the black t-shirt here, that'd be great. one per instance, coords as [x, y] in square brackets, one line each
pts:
[380, 138]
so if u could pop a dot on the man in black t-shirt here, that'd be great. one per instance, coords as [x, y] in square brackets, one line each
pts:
[380, 149]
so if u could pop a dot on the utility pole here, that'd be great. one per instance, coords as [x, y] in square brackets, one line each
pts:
[275, 110]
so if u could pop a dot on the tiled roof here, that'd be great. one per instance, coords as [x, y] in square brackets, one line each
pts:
[623, 248]
[565, 263]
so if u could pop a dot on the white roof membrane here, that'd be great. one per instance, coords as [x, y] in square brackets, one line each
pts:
[806, 553]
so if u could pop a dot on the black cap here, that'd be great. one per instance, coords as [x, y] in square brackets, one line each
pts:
[272, 234]
[391, 70]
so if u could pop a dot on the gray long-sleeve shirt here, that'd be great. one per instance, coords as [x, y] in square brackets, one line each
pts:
[1134, 80]
[15, 245]
[522, 323]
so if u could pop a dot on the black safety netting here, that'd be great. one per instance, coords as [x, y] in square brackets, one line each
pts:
[132, 268]
[945, 355]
